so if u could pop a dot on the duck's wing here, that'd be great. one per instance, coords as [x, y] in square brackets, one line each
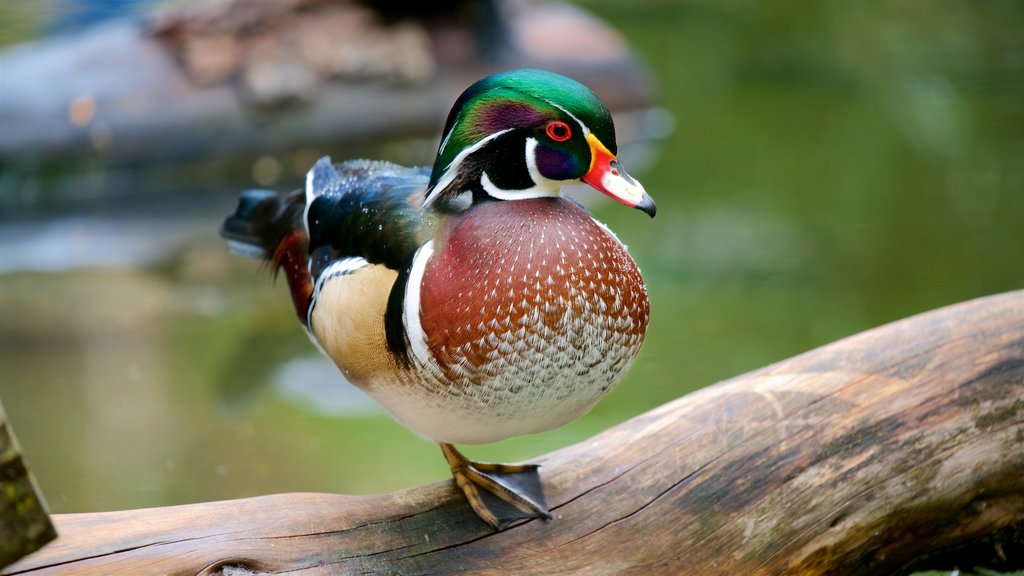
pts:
[365, 223]
[344, 244]
[366, 209]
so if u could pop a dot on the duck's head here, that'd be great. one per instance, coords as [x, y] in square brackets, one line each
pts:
[525, 134]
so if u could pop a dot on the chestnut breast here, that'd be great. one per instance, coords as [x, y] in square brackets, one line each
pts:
[529, 293]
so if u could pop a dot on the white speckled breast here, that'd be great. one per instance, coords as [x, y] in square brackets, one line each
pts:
[530, 312]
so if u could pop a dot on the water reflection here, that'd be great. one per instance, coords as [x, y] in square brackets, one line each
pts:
[86, 241]
[313, 382]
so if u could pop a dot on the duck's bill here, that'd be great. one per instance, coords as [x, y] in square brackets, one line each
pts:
[608, 176]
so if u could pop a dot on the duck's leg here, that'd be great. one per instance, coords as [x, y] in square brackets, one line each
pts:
[498, 493]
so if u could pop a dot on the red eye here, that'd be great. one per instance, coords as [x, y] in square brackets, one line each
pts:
[558, 131]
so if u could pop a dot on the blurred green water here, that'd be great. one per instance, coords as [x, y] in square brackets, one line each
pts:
[834, 166]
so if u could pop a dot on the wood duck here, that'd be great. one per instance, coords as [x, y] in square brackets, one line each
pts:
[472, 300]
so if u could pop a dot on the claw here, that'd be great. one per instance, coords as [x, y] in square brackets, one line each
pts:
[499, 493]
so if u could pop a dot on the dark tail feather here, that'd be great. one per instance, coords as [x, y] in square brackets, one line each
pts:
[260, 221]
[269, 227]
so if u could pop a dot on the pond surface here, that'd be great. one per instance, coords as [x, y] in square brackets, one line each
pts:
[832, 167]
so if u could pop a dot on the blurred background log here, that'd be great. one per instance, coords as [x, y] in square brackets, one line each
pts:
[24, 524]
[201, 91]
[898, 449]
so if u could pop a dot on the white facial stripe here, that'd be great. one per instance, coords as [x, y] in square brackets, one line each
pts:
[542, 187]
[444, 143]
[411, 306]
[573, 116]
[453, 168]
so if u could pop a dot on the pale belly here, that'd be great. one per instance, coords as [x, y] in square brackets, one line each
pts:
[530, 383]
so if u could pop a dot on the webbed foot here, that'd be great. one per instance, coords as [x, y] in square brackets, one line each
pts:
[499, 493]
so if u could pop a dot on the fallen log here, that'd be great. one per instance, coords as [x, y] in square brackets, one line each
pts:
[899, 448]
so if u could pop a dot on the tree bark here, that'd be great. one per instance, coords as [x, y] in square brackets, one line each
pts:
[901, 447]
[24, 524]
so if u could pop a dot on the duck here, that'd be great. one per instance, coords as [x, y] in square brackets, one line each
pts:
[472, 299]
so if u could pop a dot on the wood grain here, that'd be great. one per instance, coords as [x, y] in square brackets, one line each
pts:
[901, 446]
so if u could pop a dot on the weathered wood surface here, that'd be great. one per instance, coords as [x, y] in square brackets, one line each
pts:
[24, 524]
[861, 457]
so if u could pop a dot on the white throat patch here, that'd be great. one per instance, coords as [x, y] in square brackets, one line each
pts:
[542, 187]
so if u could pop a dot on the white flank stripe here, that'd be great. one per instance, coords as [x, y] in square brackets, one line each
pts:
[411, 306]
[336, 268]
